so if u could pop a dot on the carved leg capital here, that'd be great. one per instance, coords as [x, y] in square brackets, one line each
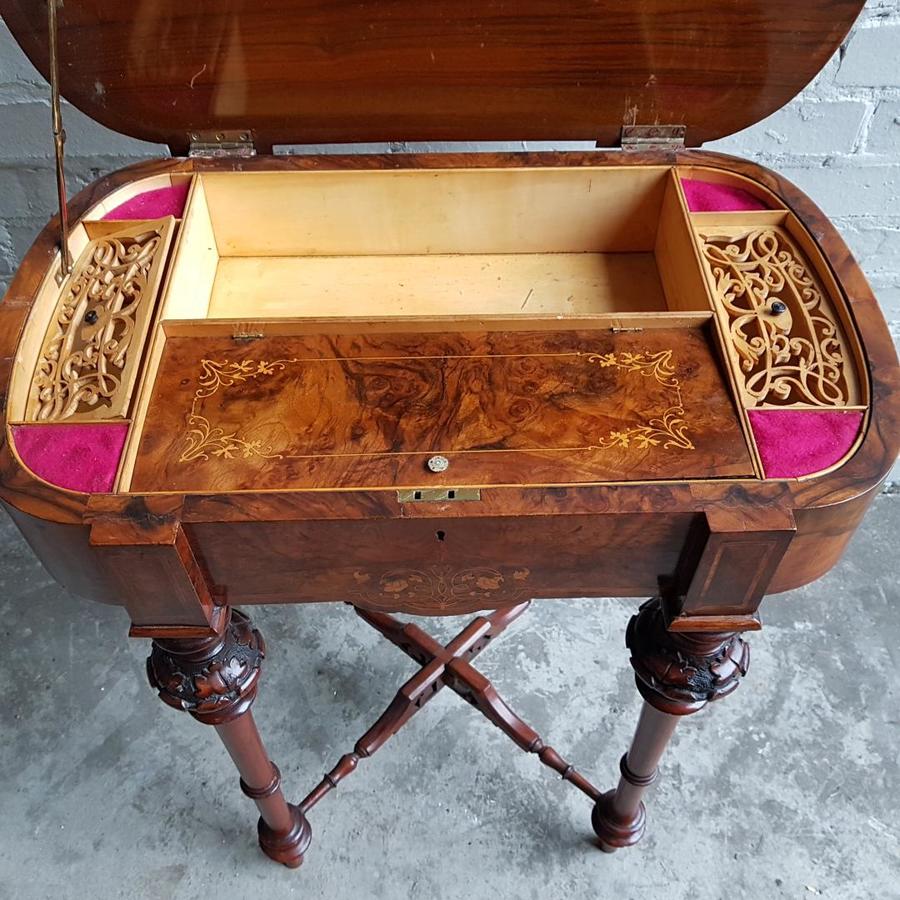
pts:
[214, 679]
[678, 672]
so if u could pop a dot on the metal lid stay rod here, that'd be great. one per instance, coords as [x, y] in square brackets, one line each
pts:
[59, 140]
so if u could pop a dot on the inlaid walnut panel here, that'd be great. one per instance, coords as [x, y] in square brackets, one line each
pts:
[316, 411]
[92, 348]
[787, 344]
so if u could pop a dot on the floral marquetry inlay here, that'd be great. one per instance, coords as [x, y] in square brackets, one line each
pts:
[92, 348]
[445, 588]
[786, 341]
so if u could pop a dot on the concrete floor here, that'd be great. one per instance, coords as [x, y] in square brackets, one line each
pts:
[790, 788]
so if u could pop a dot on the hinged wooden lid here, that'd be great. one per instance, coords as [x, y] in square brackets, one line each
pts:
[311, 71]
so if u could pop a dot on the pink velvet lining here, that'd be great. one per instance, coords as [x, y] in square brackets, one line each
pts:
[705, 196]
[78, 457]
[795, 442]
[168, 201]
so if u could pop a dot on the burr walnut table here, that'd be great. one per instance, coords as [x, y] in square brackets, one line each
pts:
[439, 384]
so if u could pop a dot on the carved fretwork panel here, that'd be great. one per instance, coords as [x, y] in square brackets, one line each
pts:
[787, 344]
[92, 348]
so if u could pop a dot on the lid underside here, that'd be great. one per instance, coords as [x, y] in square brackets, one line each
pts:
[308, 71]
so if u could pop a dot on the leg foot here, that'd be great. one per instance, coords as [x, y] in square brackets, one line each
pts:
[614, 831]
[286, 847]
[619, 816]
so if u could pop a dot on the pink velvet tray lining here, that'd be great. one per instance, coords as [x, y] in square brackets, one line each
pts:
[167, 201]
[78, 457]
[706, 196]
[85, 457]
[796, 442]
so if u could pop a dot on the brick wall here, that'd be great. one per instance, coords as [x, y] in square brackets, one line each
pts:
[839, 140]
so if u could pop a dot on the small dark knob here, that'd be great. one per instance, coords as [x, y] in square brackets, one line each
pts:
[778, 307]
[91, 316]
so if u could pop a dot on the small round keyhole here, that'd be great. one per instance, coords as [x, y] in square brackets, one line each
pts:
[440, 535]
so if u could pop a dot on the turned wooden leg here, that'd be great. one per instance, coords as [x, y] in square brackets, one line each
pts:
[215, 679]
[677, 674]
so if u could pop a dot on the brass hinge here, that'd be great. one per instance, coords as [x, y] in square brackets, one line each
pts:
[215, 144]
[616, 329]
[637, 138]
[244, 336]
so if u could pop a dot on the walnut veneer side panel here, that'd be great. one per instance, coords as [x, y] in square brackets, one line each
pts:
[821, 539]
[65, 552]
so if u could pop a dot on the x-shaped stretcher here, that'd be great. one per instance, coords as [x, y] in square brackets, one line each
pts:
[446, 666]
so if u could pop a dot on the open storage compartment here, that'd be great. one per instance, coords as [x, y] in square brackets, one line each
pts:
[425, 244]
[537, 325]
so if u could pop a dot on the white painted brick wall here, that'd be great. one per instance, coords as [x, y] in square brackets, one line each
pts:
[839, 140]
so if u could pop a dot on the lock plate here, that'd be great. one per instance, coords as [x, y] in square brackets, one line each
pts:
[438, 495]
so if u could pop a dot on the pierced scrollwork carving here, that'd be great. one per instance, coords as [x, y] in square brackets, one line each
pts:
[785, 338]
[92, 348]
[214, 679]
[679, 673]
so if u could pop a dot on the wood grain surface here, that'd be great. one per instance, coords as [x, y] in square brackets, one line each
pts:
[303, 71]
[368, 410]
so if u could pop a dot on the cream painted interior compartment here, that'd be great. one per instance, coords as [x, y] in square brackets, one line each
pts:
[425, 243]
